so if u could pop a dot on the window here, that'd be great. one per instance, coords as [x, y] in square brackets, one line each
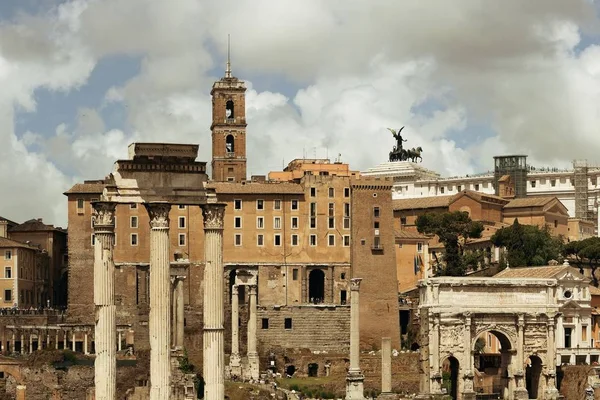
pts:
[553, 182]
[288, 323]
[567, 338]
[260, 204]
[533, 184]
[346, 223]
[294, 205]
[276, 204]
[133, 206]
[313, 240]
[442, 190]
[331, 214]
[331, 192]
[346, 192]
[294, 222]
[584, 333]
[181, 222]
[376, 212]
[133, 222]
[260, 240]
[294, 240]
[181, 206]
[331, 240]
[313, 215]
[7, 272]
[238, 239]
[7, 295]
[265, 323]
[295, 274]
[80, 204]
[260, 222]
[402, 220]
[343, 297]
[237, 222]
[556, 223]
[477, 187]
[458, 188]
[420, 247]
[7, 254]
[376, 225]
[277, 239]
[346, 215]
[346, 240]
[313, 192]
[134, 239]
[377, 243]
[182, 239]
[237, 204]
[93, 239]
[277, 223]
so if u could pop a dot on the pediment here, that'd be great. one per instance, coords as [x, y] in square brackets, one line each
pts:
[572, 305]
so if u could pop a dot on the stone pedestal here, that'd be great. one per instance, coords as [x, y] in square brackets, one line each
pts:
[105, 365]
[520, 393]
[253, 362]
[213, 336]
[355, 379]
[235, 367]
[160, 282]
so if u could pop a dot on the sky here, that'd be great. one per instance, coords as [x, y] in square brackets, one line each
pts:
[82, 79]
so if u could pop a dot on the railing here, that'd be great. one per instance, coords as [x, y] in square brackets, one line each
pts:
[33, 311]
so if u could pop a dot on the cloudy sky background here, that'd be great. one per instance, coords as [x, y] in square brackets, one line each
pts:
[81, 79]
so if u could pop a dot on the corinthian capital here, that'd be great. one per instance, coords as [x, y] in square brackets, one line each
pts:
[159, 214]
[104, 214]
[355, 284]
[213, 215]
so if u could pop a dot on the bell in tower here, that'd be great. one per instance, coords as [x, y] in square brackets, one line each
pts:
[228, 127]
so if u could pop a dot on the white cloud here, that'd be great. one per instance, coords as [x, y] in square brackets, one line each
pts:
[512, 66]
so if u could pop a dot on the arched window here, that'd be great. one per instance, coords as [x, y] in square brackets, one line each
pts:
[316, 286]
[229, 109]
[229, 144]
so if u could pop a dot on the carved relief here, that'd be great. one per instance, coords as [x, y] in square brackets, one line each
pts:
[452, 339]
[355, 284]
[536, 338]
[213, 215]
[104, 213]
[159, 214]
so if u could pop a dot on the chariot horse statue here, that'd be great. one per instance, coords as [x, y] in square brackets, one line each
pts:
[401, 154]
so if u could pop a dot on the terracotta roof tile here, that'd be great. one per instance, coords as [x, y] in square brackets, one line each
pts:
[33, 225]
[422, 202]
[405, 234]
[594, 291]
[529, 202]
[256, 188]
[8, 243]
[550, 271]
[86, 188]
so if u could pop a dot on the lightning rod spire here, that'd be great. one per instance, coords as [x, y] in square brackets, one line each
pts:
[228, 69]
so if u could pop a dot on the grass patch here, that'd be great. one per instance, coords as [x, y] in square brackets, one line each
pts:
[322, 387]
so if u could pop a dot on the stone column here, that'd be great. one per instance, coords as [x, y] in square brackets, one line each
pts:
[120, 341]
[234, 359]
[434, 353]
[47, 339]
[214, 315]
[160, 297]
[386, 365]
[355, 378]
[85, 344]
[30, 342]
[22, 343]
[21, 392]
[467, 367]
[105, 365]
[73, 341]
[180, 312]
[65, 340]
[173, 312]
[13, 347]
[57, 340]
[551, 390]
[253, 364]
[520, 393]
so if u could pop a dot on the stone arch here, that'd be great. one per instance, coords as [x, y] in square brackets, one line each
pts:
[230, 143]
[13, 370]
[450, 373]
[533, 376]
[492, 369]
[506, 339]
[229, 109]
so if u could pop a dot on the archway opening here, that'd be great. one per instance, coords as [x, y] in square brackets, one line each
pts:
[313, 369]
[229, 109]
[316, 286]
[492, 352]
[230, 144]
[290, 370]
[533, 373]
[450, 368]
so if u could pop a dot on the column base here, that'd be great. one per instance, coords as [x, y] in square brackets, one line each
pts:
[355, 386]
[429, 396]
[234, 370]
[520, 394]
[552, 394]
[470, 395]
[252, 367]
[388, 396]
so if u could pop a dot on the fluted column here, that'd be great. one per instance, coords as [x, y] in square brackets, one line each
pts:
[105, 365]
[213, 335]
[180, 311]
[234, 359]
[253, 364]
[173, 311]
[520, 391]
[551, 390]
[355, 378]
[160, 298]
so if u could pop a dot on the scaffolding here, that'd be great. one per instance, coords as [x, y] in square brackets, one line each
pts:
[580, 180]
[516, 167]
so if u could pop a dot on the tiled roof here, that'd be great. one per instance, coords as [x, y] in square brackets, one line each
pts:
[8, 220]
[86, 188]
[405, 234]
[550, 271]
[594, 291]
[482, 196]
[422, 202]
[256, 188]
[529, 202]
[8, 243]
[32, 225]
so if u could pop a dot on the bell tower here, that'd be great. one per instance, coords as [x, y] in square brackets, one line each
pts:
[228, 127]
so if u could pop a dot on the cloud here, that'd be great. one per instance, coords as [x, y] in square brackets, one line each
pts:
[350, 69]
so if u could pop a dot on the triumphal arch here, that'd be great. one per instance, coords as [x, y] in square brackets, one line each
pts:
[515, 318]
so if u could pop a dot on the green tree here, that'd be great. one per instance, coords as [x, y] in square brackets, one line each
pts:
[586, 251]
[528, 245]
[453, 230]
